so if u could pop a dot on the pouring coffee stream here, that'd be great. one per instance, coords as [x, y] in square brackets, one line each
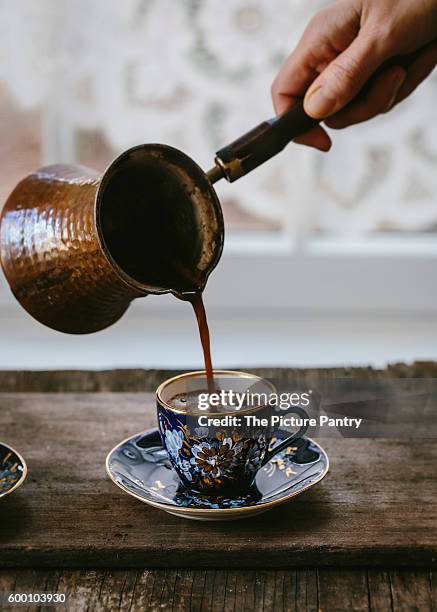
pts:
[233, 162]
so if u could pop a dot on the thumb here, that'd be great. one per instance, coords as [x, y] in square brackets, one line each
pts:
[343, 78]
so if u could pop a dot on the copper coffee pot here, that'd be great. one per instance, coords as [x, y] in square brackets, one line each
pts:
[77, 247]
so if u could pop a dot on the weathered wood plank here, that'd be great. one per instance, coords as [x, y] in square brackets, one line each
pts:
[346, 590]
[68, 513]
[224, 590]
[411, 591]
[82, 588]
[433, 588]
[380, 594]
[143, 587]
[306, 593]
[129, 380]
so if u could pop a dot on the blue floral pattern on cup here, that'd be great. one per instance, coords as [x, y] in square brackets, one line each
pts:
[210, 460]
[188, 499]
[12, 469]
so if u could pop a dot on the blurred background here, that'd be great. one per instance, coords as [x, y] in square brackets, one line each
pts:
[329, 259]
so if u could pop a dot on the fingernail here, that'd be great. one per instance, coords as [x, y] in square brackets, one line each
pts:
[317, 103]
[397, 84]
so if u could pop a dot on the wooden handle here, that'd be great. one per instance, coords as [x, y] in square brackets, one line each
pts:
[263, 142]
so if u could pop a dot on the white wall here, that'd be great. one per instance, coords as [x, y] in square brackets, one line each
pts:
[159, 332]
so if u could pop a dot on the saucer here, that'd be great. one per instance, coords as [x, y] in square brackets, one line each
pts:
[13, 469]
[140, 467]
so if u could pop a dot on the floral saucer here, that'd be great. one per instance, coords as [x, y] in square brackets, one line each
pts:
[13, 470]
[140, 467]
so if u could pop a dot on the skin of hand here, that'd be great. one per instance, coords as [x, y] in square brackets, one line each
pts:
[345, 47]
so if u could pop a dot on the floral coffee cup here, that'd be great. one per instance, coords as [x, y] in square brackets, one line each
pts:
[218, 452]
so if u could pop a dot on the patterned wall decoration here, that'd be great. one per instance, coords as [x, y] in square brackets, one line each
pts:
[196, 74]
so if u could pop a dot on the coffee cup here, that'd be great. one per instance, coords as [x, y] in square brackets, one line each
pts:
[215, 445]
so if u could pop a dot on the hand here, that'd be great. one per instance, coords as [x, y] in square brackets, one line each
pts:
[342, 48]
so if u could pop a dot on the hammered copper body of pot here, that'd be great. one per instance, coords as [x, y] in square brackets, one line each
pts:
[78, 247]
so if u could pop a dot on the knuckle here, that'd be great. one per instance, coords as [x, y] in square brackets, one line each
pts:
[381, 38]
[386, 33]
[313, 28]
[346, 69]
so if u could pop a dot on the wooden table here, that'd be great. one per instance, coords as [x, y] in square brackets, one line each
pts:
[359, 541]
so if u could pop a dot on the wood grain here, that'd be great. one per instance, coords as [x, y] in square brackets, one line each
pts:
[301, 590]
[129, 380]
[377, 507]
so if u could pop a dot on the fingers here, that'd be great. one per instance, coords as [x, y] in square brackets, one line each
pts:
[317, 138]
[286, 90]
[418, 71]
[390, 87]
[379, 99]
[339, 52]
[294, 78]
[344, 77]
[330, 30]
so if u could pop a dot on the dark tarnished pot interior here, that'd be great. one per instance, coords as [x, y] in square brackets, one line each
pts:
[159, 220]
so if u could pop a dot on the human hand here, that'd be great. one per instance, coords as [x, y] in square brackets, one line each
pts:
[345, 45]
